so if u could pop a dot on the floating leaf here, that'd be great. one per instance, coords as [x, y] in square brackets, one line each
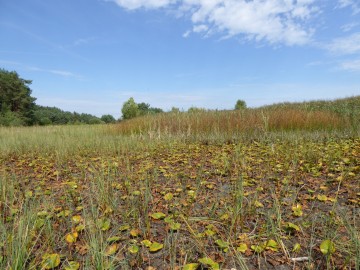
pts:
[71, 237]
[110, 250]
[136, 193]
[72, 265]
[292, 227]
[146, 243]
[124, 228]
[155, 246]
[327, 247]
[158, 215]
[76, 219]
[79, 208]
[168, 196]
[297, 210]
[258, 204]
[64, 213]
[322, 198]
[257, 248]
[133, 249]
[135, 232]
[210, 262]
[242, 248]
[50, 261]
[272, 245]
[190, 266]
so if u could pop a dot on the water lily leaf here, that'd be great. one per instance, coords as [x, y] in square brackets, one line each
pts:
[79, 208]
[64, 213]
[158, 215]
[71, 237]
[124, 228]
[327, 247]
[111, 250]
[146, 243]
[133, 249]
[50, 261]
[136, 193]
[242, 248]
[191, 266]
[168, 196]
[292, 227]
[135, 232]
[257, 248]
[76, 219]
[272, 245]
[208, 261]
[72, 265]
[155, 246]
[258, 204]
[297, 210]
[322, 198]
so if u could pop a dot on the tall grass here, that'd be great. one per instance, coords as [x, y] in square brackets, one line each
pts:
[231, 124]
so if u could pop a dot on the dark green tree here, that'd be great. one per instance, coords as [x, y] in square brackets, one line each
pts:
[15, 98]
[108, 119]
[240, 104]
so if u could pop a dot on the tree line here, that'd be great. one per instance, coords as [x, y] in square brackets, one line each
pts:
[18, 107]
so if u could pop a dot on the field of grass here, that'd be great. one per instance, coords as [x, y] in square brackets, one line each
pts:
[255, 189]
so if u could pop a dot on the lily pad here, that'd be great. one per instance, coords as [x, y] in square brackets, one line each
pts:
[50, 261]
[327, 247]
[155, 246]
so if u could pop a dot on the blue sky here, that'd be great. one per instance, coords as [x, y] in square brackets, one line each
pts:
[92, 55]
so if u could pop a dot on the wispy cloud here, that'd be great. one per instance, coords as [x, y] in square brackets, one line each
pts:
[271, 21]
[62, 73]
[345, 45]
[349, 26]
[351, 65]
[353, 4]
[149, 4]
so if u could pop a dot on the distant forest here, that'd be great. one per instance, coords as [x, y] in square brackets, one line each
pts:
[18, 107]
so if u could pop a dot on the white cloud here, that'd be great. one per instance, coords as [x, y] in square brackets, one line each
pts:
[352, 65]
[348, 27]
[150, 4]
[200, 28]
[272, 21]
[346, 45]
[186, 34]
[353, 4]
